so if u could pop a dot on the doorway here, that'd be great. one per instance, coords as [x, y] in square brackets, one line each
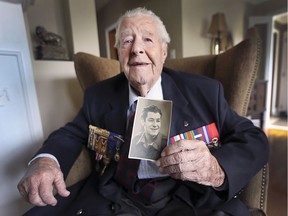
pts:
[279, 86]
[273, 69]
[110, 42]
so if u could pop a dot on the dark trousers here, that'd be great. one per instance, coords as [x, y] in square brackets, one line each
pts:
[85, 199]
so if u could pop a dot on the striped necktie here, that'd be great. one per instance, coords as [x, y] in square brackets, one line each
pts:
[126, 173]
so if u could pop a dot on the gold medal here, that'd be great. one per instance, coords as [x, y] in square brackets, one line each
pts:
[106, 145]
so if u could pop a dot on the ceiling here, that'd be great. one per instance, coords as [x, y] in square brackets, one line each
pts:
[255, 1]
[101, 3]
[282, 18]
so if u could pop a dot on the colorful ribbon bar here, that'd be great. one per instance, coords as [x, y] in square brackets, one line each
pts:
[208, 133]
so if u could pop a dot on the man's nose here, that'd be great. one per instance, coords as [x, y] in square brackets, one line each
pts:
[137, 47]
[155, 124]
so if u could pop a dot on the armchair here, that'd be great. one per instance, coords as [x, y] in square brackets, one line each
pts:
[236, 69]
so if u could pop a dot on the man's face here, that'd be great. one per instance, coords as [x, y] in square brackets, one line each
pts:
[152, 124]
[141, 52]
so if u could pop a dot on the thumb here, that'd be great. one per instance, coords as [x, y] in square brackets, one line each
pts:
[60, 186]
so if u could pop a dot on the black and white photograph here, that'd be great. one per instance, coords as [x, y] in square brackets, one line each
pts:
[150, 129]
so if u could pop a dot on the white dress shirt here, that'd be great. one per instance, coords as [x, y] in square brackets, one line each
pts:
[148, 169]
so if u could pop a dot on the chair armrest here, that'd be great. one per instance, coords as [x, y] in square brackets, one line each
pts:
[255, 194]
[257, 212]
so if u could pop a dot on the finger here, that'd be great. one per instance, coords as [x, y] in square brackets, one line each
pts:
[187, 176]
[198, 152]
[60, 186]
[177, 158]
[46, 194]
[29, 193]
[181, 145]
[22, 191]
[33, 196]
[179, 168]
[193, 176]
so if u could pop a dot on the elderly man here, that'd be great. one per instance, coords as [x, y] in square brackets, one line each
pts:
[200, 181]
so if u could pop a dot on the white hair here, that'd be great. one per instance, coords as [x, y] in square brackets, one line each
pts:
[142, 12]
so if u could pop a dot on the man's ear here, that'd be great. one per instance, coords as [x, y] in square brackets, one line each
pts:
[164, 51]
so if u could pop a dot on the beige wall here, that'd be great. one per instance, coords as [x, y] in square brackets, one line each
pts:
[196, 17]
[58, 91]
[84, 26]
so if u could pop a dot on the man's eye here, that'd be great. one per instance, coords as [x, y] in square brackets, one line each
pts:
[148, 39]
[128, 41]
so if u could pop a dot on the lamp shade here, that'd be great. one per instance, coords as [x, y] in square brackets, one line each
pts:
[218, 25]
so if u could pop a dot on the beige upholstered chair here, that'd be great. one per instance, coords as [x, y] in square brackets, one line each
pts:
[236, 69]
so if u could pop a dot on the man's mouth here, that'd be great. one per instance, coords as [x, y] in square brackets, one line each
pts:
[134, 64]
[154, 129]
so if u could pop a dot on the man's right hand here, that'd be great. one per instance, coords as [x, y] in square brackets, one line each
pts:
[42, 176]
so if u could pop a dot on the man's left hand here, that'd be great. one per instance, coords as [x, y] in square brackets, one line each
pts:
[191, 160]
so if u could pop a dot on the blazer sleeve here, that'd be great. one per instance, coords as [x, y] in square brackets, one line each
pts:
[244, 147]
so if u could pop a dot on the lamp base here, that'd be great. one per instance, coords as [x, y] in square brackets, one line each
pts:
[215, 46]
[219, 45]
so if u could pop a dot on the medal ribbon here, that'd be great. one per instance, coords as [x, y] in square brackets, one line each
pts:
[209, 134]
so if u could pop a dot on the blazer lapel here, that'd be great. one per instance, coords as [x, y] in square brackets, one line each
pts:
[116, 118]
[182, 118]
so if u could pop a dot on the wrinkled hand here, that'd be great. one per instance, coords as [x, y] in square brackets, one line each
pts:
[191, 160]
[42, 176]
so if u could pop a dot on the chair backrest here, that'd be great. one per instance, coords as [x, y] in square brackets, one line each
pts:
[91, 69]
[236, 69]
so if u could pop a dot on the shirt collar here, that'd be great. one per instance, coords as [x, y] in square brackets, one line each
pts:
[155, 93]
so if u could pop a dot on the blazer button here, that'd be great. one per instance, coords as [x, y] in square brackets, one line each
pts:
[113, 207]
[186, 123]
[79, 212]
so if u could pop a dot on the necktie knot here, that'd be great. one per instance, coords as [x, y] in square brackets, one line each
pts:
[131, 115]
[132, 108]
